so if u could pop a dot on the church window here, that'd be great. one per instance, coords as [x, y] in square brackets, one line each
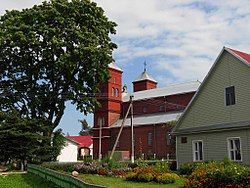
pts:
[113, 92]
[116, 92]
[150, 139]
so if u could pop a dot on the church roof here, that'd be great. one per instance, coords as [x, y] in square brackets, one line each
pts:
[165, 91]
[149, 119]
[145, 76]
[114, 66]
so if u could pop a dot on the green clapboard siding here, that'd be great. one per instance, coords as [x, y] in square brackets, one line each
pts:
[214, 145]
[209, 108]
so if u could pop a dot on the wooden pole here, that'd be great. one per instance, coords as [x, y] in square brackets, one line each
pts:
[119, 134]
[100, 140]
[132, 133]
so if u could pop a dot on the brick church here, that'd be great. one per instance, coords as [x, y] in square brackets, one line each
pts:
[155, 111]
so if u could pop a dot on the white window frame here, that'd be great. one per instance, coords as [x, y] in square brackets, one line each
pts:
[234, 149]
[194, 151]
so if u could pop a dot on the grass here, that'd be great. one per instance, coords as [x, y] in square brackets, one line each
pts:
[24, 181]
[113, 182]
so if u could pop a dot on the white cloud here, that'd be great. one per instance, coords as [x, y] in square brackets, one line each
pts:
[182, 37]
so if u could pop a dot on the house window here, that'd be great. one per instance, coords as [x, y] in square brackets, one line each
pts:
[169, 138]
[144, 109]
[150, 139]
[113, 92]
[197, 150]
[183, 140]
[230, 95]
[116, 92]
[234, 149]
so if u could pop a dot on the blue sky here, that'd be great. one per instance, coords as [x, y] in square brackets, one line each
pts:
[179, 39]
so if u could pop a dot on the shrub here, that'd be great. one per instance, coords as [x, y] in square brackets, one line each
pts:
[66, 167]
[161, 167]
[167, 178]
[103, 172]
[219, 174]
[131, 176]
[188, 168]
[145, 177]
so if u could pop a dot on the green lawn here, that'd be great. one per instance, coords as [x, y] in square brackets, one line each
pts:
[121, 183]
[24, 181]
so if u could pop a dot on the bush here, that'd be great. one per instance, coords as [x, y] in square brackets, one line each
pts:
[161, 167]
[131, 176]
[145, 177]
[188, 168]
[167, 178]
[66, 167]
[219, 174]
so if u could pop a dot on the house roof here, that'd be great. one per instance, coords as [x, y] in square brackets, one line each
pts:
[216, 127]
[84, 141]
[145, 76]
[243, 57]
[165, 91]
[114, 66]
[159, 118]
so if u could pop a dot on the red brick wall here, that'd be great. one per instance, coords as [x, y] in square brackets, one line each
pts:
[110, 110]
[169, 103]
[144, 85]
[159, 145]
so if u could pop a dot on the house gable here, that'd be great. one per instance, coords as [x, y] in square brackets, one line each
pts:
[208, 107]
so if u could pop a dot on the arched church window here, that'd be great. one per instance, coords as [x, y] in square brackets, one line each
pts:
[113, 92]
[116, 92]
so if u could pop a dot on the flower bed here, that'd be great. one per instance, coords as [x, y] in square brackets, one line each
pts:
[139, 172]
[219, 174]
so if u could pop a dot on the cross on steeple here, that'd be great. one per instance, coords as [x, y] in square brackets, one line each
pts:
[145, 66]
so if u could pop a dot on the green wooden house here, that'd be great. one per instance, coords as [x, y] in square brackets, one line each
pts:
[216, 123]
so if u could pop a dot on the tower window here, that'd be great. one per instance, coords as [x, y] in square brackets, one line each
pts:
[113, 92]
[116, 92]
[230, 95]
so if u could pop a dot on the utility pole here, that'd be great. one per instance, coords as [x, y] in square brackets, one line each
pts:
[120, 131]
[100, 140]
[132, 132]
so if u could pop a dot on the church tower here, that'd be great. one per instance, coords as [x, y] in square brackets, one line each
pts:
[144, 81]
[108, 112]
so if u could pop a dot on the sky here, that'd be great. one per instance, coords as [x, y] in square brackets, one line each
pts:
[178, 39]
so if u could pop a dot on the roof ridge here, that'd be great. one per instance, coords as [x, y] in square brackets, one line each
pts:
[243, 56]
[174, 84]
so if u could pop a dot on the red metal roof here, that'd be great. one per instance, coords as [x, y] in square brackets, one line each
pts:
[84, 141]
[243, 55]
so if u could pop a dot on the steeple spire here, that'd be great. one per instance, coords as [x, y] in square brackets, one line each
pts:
[145, 66]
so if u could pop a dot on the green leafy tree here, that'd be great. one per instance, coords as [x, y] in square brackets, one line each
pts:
[52, 53]
[22, 139]
[86, 129]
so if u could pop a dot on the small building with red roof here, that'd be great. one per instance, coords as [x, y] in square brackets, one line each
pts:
[216, 123]
[85, 145]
